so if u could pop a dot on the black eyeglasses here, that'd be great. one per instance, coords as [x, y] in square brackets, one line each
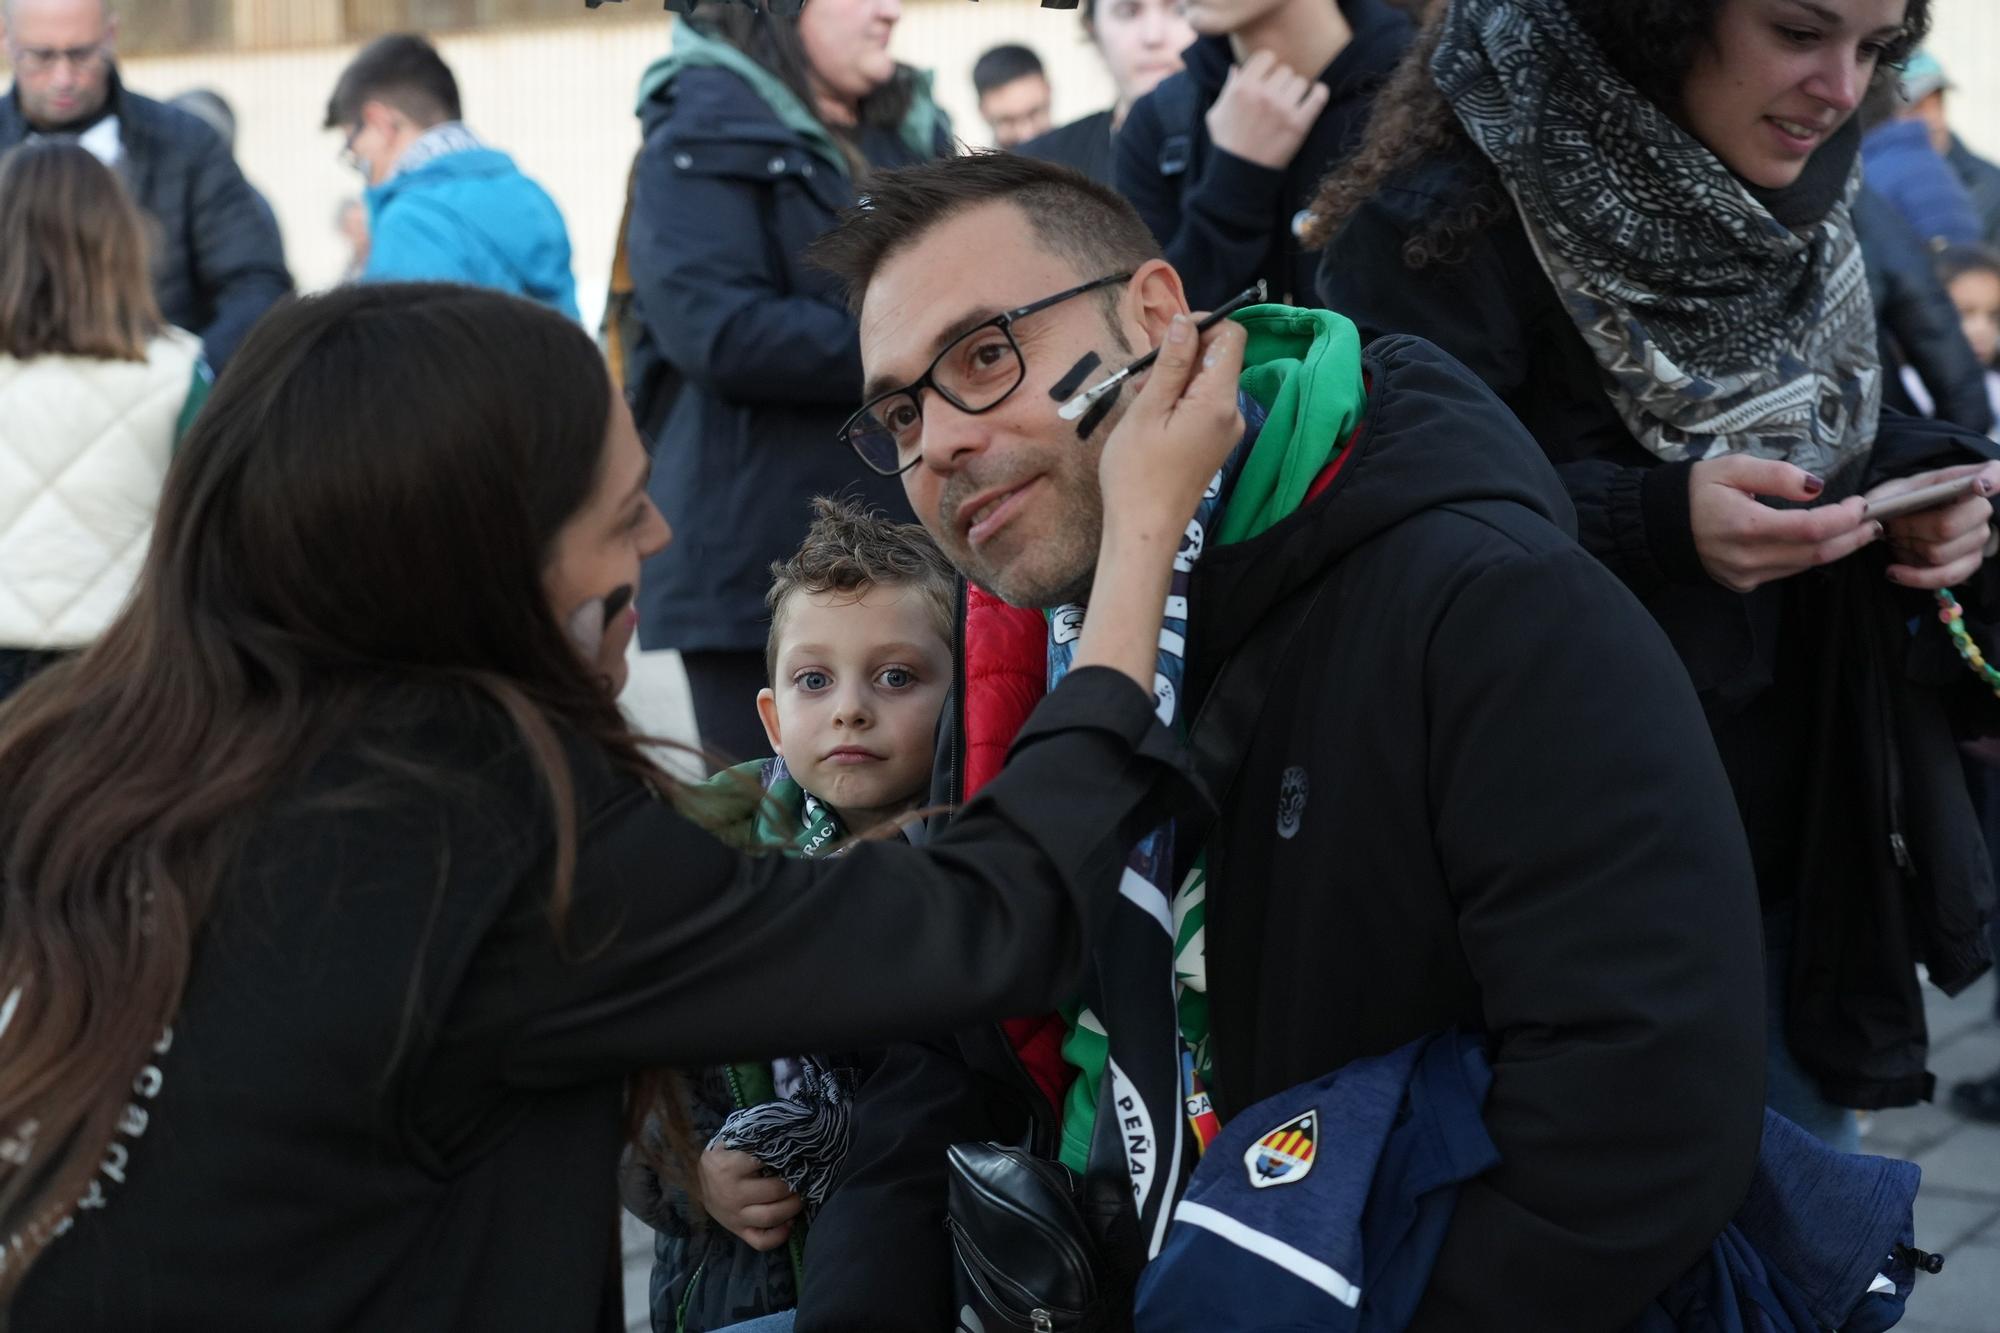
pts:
[974, 373]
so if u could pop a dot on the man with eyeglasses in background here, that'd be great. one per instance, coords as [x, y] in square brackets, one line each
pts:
[219, 263]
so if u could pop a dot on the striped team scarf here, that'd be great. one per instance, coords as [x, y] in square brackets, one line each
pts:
[1140, 1041]
[1139, 1009]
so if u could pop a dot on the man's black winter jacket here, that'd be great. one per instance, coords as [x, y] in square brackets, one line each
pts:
[1481, 794]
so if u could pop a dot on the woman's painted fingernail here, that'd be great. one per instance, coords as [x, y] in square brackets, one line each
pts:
[1814, 485]
[1879, 532]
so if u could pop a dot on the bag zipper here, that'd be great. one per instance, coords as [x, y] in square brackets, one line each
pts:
[991, 1283]
[1061, 1184]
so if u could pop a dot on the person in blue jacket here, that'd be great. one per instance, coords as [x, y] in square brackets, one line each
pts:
[759, 129]
[1904, 167]
[442, 205]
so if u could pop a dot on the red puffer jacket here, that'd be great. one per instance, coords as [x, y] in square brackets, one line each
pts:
[1006, 674]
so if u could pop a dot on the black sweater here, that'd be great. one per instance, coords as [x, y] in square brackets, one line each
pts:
[1226, 222]
[393, 1101]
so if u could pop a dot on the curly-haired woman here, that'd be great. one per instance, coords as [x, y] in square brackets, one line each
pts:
[1630, 218]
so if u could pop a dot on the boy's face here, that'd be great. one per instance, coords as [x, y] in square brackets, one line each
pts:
[854, 700]
[1976, 293]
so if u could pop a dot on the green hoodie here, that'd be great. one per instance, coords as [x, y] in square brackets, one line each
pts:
[694, 49]
[1303, 367]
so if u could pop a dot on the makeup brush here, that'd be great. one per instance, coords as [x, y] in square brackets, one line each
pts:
[1080, 404]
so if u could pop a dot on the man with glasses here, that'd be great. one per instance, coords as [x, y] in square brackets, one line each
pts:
[219, 264]
[1474, 789]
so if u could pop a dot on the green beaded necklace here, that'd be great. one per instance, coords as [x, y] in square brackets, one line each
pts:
[1953, 616]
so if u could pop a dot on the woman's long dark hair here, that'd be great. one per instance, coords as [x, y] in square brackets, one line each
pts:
[1652, 43]
[366, 505]
[772, 40]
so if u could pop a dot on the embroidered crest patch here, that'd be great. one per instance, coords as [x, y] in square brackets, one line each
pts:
[1293, 789]
[1285, 1154]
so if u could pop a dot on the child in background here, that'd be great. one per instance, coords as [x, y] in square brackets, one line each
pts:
[860, 660]
[1971, 274]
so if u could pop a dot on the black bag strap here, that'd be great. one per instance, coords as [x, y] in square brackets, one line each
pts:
[1220, 736]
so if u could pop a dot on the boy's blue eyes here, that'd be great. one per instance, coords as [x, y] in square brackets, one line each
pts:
[894, 678]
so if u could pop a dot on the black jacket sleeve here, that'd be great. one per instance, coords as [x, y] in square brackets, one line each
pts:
[1217, 228]
[1607, 904]
[239, 260]
[1492, 309]
[878, 1259]
[1918, 314]
[708, 285]
[678, 951]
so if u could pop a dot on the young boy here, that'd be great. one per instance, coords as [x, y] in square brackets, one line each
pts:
[859, 658]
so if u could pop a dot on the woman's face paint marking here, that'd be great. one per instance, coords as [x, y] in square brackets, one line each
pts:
[585, 627]
[617, 600]
[588, 623]
[1065, 387]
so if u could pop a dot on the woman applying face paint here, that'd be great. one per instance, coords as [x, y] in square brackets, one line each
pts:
[1630, 218]
[345, 915]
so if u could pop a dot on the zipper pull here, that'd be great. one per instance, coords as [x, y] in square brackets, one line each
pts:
[1901, 850]
[1041, 1322]
[1920, 1260]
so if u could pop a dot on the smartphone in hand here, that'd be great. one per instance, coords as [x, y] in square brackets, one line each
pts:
[1925, 497]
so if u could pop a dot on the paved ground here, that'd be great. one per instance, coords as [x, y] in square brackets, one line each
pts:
[1958, 1211]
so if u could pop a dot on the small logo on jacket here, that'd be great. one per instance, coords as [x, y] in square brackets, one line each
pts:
[1292, 791]
[1285, 1154]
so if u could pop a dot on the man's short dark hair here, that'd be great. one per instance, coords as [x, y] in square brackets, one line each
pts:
[1002, 65]
[1067, 212]
[402, 70]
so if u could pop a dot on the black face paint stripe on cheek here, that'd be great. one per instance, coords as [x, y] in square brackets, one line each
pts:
[1098, 411]
[1073, 379]
[617, 600]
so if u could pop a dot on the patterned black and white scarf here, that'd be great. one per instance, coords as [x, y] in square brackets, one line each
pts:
[1719, 329]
